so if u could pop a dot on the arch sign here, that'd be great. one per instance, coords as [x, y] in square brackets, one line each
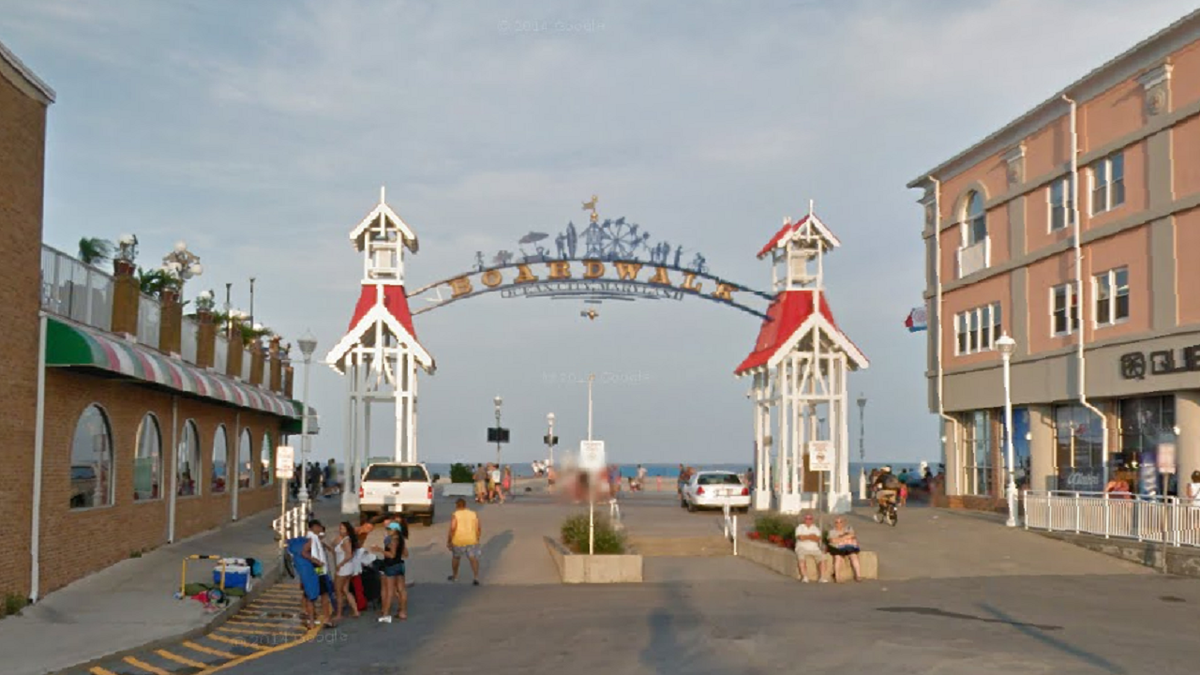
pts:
[607, 260]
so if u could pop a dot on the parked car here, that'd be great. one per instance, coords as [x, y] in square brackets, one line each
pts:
[397, 488]
[715, 489]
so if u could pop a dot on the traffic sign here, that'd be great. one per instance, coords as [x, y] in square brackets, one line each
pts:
[285, 461]
[820, 456]
[591, 455]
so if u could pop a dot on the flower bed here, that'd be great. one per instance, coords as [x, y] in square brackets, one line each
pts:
[775, 529]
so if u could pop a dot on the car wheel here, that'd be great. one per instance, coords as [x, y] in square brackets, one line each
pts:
[691, 507]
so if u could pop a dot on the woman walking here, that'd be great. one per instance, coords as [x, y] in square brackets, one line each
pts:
[394, 552]
[344, 556]
[506, 484]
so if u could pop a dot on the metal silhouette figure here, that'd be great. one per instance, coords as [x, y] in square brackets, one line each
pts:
[479, 264]
[561, 242]
[572, 239]
[678, 255]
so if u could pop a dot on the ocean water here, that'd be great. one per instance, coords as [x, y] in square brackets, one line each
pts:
[654, 470]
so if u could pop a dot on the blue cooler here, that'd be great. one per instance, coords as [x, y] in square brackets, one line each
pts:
[236, 576]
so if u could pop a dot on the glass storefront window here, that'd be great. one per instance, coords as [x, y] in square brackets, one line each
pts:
[1145, 422]
[978, 445]
[1078, 437]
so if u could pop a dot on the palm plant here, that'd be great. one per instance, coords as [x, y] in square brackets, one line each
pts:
[154, 282]
[93, 250]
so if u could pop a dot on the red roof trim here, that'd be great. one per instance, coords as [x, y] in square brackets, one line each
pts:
[788, 312]
[394, 301]
[784, 231]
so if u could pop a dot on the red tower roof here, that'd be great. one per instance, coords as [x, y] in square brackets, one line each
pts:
[381, 303]
[394, 300]
[790, 312]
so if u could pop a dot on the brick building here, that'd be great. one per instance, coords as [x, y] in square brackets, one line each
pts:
[1070, 230]
[127, 424]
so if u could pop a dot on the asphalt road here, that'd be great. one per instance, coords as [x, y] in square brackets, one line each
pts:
[961, 595]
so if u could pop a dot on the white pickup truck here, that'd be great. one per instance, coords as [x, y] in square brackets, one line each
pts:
[397, 488]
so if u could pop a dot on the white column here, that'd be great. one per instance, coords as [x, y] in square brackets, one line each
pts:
[844, 499]
[782, 443]
[1187, 418]
[353, 434]
[412, 424]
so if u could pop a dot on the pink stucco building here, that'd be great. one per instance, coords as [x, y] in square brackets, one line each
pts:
[1106, 372]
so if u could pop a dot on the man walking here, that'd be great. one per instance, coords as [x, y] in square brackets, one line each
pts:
[463, 539]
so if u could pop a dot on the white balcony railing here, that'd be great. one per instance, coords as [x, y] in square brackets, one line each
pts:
[1166, 520]
[977, 256]
[188, 339]
[76, 291]
[149, 321]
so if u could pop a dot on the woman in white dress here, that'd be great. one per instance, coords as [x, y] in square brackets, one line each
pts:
[346, 564]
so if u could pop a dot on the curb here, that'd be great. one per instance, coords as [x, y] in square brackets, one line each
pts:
[270, 577]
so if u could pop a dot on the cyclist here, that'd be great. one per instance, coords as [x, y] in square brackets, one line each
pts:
[885, 487]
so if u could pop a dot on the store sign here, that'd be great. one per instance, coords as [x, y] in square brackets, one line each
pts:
[1081, 479]
[1136, 365]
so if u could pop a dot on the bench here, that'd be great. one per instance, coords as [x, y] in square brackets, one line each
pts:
[783, 561]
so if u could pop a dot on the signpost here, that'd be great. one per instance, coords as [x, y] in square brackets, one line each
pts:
[820, 456]
[591, 455]
[285, 462]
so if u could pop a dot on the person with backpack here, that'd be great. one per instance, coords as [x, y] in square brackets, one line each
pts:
[885, 486]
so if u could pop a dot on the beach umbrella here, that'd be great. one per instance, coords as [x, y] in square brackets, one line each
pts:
[533, 237]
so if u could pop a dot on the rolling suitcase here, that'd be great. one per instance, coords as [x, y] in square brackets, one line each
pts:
[372, 587]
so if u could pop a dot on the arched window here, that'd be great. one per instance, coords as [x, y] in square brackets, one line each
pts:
[975, 219]
[91, 460]
[220, 458]
[187, 461]
[267, 468]
[147, 462]
[245, 469]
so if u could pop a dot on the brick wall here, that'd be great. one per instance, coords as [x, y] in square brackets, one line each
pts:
[76, 542]
[22, 155]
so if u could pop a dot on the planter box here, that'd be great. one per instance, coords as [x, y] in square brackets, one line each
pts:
[783, 561]
[458, 490]
[594, 569]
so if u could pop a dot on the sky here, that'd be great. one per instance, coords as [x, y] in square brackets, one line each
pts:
[260, 133]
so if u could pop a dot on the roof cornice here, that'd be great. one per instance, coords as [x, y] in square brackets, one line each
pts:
[1145, 55]
[26, 78]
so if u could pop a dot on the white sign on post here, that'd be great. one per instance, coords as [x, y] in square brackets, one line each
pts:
[1166, 458]
[285, 461]
[820, 456]
[591, 455]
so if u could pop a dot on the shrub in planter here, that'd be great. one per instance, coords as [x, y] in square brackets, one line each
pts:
[753, 534]
[607, 540]
[773, 524]
[461, 473]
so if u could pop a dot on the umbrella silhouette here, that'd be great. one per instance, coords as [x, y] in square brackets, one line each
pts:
[532, 237]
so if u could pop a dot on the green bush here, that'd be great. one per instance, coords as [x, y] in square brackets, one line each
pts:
[13, 604]
[607, 540]
[461, 473]
[774, 524]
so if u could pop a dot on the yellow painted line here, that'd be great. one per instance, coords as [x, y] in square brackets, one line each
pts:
[242, 622]
[265, 650]
[101, 671]
[235, 641]
[179, 659]
[145, 666]
[247, 631]
[205, 650]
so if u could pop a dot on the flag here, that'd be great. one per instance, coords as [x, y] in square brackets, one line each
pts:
[916, 320]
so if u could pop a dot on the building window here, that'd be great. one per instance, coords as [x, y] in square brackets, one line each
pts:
[187, 462]
[220, 459]
[245, 467]
[1064, 310]
[91, 460]
[978, 329]
[978, 460]
[1108, 183]
[1145, 423]
[147, 462]
[1112, 296]
[1062, 206]
[1078, 438]
[266, 471]
[975, 222]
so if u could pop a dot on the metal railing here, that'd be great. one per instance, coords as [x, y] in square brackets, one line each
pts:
[293, 522]
[729, 523]
[75, 290]
[1165, 520]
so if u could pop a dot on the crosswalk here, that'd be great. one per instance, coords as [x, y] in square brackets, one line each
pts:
[271, 622]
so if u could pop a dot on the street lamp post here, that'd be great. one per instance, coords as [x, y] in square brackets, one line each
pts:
[550, 436]
[862, 446]
[308, 345]
[499, 402]
[1006, 346]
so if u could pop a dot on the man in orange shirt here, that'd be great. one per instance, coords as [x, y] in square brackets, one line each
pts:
[463, 539]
